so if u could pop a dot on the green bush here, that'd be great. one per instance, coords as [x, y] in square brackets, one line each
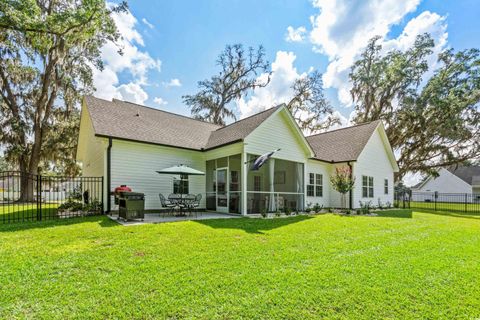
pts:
[317, 208]
[365, 207]
[71, 205]
[263, 212]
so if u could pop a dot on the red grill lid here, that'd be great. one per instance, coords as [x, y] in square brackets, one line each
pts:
[122, 188]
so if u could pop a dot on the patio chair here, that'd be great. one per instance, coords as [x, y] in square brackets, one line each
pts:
[188, 202]
[196, 204]
[167, 204]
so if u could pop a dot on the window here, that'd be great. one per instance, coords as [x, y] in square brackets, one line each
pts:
[315, 186]
[319, 185]
[180, 186]
[385, 186]
[367, 187]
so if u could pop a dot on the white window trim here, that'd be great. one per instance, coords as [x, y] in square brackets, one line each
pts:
[368, 186]
[315, 184]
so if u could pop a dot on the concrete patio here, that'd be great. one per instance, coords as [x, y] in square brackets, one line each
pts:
[158, 218]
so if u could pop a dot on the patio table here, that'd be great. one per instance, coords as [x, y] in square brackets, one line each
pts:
[183, 201]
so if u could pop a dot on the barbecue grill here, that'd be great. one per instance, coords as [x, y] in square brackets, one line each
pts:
[131, 205]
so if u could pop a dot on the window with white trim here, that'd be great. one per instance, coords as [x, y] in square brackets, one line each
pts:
[315, 185]
[311, 185]
[367, 187]
[385, 186]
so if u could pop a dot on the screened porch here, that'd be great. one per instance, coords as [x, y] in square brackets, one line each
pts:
[277, 186]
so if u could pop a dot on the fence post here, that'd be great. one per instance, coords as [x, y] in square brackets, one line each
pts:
[466, 195]
[435, 195]
[39, 197]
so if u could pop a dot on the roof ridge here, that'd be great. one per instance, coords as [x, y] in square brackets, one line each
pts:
[344, 128]
[160, 110]
[253, 115]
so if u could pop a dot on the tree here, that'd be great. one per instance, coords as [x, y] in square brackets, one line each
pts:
[431, 122]
[4, 165]
[48, 49]
[342, 181]
[309, 107]
[238, 76]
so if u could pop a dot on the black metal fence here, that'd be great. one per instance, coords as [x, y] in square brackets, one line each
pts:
[453, 202]
[27, 197]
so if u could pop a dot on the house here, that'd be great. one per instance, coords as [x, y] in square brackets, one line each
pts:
[127, 143]
[452, 179]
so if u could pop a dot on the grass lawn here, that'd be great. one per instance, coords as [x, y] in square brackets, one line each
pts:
[448, 206]
[26, 212]
[400, 265]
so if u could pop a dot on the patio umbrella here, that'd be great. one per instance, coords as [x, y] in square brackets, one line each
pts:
[182, 169]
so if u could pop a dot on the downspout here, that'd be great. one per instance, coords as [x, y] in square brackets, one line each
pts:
[109, 177]
[350, 200]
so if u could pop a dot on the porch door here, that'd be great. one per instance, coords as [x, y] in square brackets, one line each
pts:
[222, 190]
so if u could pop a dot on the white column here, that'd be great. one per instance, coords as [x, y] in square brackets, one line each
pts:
[243, 183]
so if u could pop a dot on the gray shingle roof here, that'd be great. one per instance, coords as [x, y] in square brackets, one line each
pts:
[238, 130]
[343, 144]
[130, 121]
[469, 174]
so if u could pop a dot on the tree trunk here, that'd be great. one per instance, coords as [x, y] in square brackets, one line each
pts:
[27, 185]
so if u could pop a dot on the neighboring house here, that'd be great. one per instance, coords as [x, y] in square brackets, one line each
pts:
[126, 143]
[454, 179]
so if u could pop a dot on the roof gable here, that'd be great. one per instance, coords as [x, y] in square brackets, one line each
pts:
[342, 145]
[238, 130]
[469, 174]
[281, 125]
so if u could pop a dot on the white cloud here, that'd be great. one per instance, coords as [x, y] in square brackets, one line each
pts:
[278, 90]
[295, 35]
[136, 63]
[173, 83]
[160, 101]
[148, 24]
[343, 28]
[132, 92]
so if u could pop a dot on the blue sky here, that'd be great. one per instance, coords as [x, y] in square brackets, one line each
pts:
[170, 45]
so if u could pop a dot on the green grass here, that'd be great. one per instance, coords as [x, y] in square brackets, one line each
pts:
[447, 206]
[26, 212]
[400, 265]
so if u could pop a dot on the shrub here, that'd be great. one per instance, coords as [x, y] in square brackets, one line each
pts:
[277, 213]
[71, 205]
[388, 205]
[358, 212]
[288, 211]
[380, 204]
[263, 212]
[365, 207]
[329, 210]
[347, 211]
[317, 208]
[93, 207]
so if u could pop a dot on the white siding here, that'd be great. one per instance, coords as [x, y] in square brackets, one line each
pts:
[91, 151]
[277, 132]
[373, 162]
[318, 167]
[335, 196]
[446, 182]
[135, 164]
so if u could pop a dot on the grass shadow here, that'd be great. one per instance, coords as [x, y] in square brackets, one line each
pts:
[400, 213]
[103, 221]
[252, 225]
